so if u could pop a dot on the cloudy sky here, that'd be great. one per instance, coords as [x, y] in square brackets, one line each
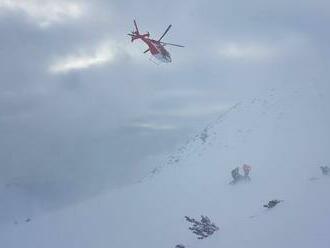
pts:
[82, 109]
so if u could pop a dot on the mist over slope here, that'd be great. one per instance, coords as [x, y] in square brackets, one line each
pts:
[282, 133]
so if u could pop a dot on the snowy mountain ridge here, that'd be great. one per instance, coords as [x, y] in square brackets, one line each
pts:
[195, 145]
[282, 136]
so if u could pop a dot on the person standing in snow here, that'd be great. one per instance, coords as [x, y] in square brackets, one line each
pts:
[235, 174]
[246, 169]
[237, 177]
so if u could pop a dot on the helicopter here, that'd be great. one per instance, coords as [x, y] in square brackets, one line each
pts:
[155, 47]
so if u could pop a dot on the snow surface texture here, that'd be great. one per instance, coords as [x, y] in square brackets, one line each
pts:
[282, 134]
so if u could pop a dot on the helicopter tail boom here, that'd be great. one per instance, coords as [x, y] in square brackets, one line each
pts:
[136, 34]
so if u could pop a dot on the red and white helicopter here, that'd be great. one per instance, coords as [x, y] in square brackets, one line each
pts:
[155, 47]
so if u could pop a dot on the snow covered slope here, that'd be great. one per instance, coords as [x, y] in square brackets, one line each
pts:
[283, 134]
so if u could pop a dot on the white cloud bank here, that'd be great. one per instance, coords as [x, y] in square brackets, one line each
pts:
[103, 54]
[45, 12]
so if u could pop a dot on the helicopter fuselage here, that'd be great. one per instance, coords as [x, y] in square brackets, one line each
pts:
[157, 50]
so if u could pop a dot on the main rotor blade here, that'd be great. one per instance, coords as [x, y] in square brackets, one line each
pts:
[165, 33]
[146, 50]
[136, 27]
[171, 44]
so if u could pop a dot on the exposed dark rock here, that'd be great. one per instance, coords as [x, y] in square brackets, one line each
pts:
[202, 228]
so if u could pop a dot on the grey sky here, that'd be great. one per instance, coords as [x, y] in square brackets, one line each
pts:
[81, 108]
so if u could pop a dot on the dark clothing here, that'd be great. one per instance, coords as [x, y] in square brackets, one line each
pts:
[235, 174]
[325, 170]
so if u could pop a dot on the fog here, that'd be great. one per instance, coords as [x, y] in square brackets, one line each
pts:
[83, 111]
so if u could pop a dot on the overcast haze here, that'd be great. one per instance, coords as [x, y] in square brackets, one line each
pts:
[83, 110]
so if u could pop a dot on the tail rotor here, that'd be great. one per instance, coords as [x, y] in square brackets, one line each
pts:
[135, 34]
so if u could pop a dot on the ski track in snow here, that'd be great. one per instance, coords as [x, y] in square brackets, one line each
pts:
[280, 134]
